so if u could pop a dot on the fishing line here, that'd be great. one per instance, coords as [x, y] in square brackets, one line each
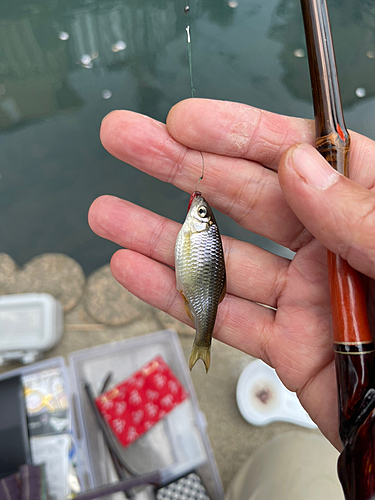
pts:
[188, 39]
[192, 89]
[201, 177]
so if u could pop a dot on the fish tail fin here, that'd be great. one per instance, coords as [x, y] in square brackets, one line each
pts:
[198, 352]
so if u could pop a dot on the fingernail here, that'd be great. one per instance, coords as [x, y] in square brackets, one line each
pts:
[312, 167]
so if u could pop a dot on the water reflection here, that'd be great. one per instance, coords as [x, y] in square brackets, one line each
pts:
[34, 72]
[106, 94]
[65, 64]
[35, 66]
[299, 53]
[360, 92]
[353, 32]
[118, 46]
[63, 35]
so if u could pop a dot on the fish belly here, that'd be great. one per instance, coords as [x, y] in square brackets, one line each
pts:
[200, 276]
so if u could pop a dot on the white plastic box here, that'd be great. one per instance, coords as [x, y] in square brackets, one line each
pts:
[30, 324]
[175, 445]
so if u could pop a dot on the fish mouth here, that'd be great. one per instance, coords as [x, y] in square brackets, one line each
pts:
[193, 195]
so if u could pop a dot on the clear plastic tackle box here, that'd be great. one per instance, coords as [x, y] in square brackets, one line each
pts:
[176, 445]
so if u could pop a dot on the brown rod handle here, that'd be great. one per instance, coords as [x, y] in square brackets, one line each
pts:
[353, 343]
[348, 303]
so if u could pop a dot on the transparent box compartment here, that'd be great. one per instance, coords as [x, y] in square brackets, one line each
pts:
[58, 488]
[175, 446]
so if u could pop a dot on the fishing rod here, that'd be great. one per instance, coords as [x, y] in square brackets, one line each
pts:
[353, 342]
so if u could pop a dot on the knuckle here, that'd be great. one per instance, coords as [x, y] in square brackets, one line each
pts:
[156, 236]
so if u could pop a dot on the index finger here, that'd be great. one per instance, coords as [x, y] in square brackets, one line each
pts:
[241, 131]
[237, 130]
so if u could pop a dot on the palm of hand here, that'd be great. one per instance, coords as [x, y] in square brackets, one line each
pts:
[302, 337]
[242, 149]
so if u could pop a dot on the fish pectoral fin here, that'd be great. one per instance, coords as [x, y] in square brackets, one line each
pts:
[188, 312]
[187, 307]
[223, 292]
[202, 353]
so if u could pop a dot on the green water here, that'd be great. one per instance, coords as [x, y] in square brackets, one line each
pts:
[65, 64]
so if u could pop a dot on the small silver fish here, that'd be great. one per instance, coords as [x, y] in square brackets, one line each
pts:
[200, 273]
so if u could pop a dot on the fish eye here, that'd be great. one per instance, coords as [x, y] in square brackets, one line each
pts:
[202, 211]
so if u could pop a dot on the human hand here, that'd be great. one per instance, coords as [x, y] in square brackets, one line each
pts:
[253, 173]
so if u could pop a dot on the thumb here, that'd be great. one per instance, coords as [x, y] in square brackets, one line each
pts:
[337, 211]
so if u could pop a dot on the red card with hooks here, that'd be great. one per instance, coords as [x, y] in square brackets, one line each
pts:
[135, 405]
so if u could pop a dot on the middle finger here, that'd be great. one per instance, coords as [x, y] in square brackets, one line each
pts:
[154, 236]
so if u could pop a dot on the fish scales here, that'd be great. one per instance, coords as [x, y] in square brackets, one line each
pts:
[203, 272]
[200, 273]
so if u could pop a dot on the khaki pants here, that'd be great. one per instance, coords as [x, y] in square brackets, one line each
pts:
[291, 466]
